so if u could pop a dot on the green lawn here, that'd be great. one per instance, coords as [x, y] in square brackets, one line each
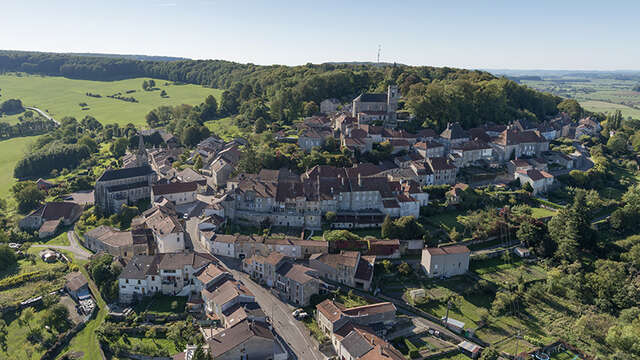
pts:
[225, 128]
[11, 151]
[60, 240]
[31, 288]
[61, 97]
[18, 347]
[498, 270]
[541, 213]
[142, 342]
[448, 219]
[162, 305]
[565, 355]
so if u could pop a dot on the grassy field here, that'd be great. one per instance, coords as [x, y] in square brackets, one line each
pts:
[498, 271]
[18, 347]
[597, 95]
[61, 97]
[225, 128]
[11, 152]
[132, 342]
[607, 107]
[541, 213]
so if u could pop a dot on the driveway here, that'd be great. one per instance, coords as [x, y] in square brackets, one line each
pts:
[79, 252]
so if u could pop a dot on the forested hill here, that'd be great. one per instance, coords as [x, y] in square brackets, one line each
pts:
[130, 56]
[282, 93]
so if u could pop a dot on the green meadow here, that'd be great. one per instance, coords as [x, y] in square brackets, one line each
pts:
[61, 97]
[11, 151]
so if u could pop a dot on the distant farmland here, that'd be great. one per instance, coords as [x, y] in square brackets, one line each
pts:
[61, 97]
[598, 95]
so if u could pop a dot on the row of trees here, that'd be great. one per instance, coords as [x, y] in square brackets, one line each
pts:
[11, 106]
[282, 93]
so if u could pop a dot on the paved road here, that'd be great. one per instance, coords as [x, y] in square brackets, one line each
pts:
[293, 331]
[74, 247]
[42, 113]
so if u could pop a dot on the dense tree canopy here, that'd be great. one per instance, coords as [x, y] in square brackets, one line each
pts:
[283, 93]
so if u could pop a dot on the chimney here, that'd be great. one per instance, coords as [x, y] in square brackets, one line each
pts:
[359, 180]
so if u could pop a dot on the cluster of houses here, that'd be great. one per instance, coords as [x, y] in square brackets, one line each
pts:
[357, 332]
[239, 328]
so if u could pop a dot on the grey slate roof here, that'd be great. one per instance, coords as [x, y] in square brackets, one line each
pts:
[141, 266]
[356, 345]
[373, 98]
[126, 173]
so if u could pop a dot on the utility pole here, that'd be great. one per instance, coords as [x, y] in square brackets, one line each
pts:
[446, 317]
[379, 50]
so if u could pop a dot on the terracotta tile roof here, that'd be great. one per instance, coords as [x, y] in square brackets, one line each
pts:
[329, 310]
[211, 272]
[227, 291]
[454, 131]
[55, 210]
[370, 309]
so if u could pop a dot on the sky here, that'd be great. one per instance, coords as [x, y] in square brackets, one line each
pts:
[515, 34]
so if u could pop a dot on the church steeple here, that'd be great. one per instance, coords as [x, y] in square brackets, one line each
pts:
[141, 156]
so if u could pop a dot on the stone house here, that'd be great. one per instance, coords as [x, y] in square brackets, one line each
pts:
[540, 181]
[313, 137]
[443, 171]
[162, 221]
[347, 267]
[263, 268]
[296, 283]
[49, 216]
[123, 244]
[333, 317]
[167, 274]
[454, 134]
[445, 261]
[329, 106]
[77, 285]
[514, 144]
[429, 149]
[179, 193]
[472, 152]
[246, 340]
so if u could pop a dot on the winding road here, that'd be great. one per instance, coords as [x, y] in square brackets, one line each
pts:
[77, 250]
[42, 113]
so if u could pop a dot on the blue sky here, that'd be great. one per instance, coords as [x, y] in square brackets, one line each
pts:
[516, 34]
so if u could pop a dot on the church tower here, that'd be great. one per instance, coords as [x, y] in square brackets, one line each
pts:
[141, 156]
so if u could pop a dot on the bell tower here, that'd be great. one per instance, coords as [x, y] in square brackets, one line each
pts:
[141, 156]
